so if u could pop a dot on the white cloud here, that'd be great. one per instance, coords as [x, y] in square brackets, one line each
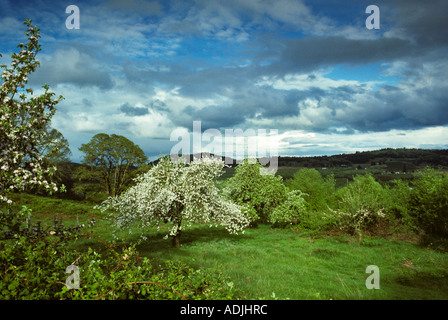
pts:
[307, 81]
[152, 125]
[299, 142]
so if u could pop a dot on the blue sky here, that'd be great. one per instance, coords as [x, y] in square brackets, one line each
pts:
[309, 69]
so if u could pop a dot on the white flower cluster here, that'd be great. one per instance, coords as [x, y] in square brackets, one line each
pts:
[21, 165]
[357, 220]
[178, 193]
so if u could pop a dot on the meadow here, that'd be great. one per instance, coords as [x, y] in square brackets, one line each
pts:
[274, 263]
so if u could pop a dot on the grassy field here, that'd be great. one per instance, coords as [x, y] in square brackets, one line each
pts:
[266, 262]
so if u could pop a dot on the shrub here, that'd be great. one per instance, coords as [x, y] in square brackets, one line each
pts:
[398, 205]
[251, 188]
[32, 268]
[36, 270]
[320, 191]
[131, 278]
[290, 211]
[294, 211]
[429, 201]
[361, 204]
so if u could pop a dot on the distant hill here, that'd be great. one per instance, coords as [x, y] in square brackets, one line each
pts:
[395, 159]
[412, 157]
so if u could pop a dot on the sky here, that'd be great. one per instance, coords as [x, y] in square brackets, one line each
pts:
[309, 73]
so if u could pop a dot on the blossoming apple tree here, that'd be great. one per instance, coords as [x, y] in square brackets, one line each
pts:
[182, 194]
[23, 115]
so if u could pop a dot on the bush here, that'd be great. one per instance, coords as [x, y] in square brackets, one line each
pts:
[320, 191]
[251, 188]
[361, 204]
[429, 202]
[290, 211]
[32, 268]
[294, 211]
[132, 278]
[398, 205]
[36, 270]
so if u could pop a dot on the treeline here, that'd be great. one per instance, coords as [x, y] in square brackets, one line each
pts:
[416, 157]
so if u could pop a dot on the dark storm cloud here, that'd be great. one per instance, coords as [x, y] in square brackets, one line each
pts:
[191, 83]
[309, 54]
[133, 111]
[424, 22]
[211, 117]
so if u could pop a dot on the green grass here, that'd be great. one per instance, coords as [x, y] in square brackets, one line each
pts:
[291, 265]
[45, 208]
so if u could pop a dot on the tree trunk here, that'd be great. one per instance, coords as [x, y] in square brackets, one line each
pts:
[176, 240]
[176, 237]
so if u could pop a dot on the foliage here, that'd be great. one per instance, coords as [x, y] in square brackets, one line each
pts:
[53, 146]
[12, 223]
[177, 193]
[429, 201]
[55, 152]
[295, 265]
[132, 278]
[250, 187]
[15, 223]
[398, 208]
[36, 270]
[361, 204]
[291, 210]
[88, 183]
[112, 156]
[294, 211]
[320, 191]
[32, 269]
[22, 122]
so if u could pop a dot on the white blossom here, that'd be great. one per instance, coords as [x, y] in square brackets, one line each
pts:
[177, 193]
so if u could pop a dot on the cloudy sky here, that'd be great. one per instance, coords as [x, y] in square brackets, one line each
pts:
[309, 69]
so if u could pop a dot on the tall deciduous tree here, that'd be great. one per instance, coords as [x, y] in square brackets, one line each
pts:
[113, 156]
[178, 193]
